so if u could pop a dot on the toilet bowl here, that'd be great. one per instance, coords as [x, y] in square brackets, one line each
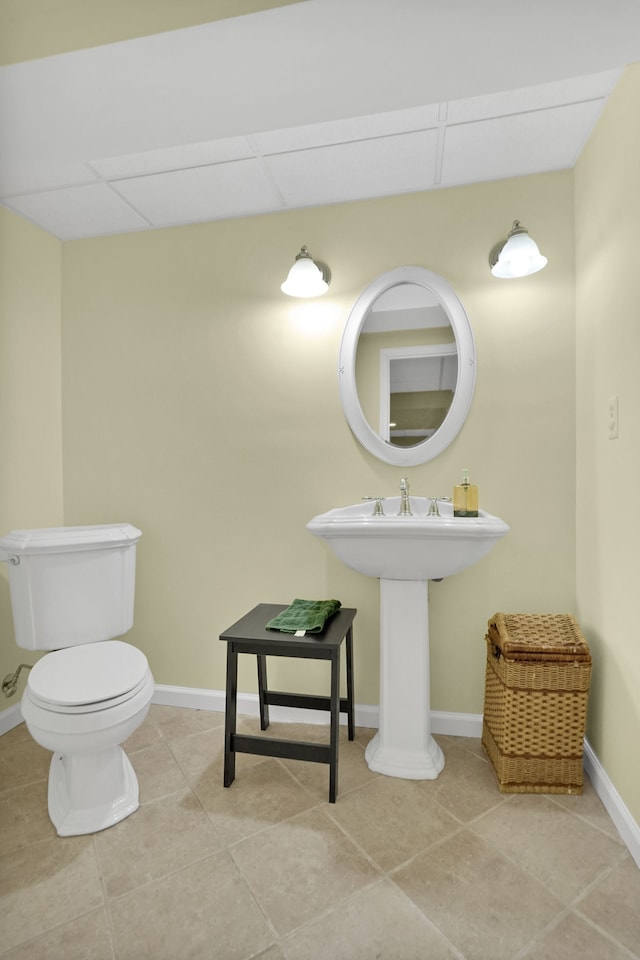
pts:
[72, 593]
[82, 703]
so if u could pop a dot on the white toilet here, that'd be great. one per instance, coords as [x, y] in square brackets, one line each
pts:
[72, 592]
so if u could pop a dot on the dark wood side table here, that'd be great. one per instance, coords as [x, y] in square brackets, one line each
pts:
[249, 635]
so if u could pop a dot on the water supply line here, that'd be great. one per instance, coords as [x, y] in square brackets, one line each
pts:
[10, 682]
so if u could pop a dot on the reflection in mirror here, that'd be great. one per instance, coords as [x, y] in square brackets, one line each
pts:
[407, 366]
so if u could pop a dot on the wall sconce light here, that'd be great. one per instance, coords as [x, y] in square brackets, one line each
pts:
[307, 277]
[518, 256]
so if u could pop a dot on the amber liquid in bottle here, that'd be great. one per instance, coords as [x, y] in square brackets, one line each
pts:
[465, 497]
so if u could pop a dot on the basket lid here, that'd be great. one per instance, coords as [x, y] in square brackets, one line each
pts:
[554, 637]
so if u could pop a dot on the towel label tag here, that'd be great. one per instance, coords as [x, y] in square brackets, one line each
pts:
[300, 633]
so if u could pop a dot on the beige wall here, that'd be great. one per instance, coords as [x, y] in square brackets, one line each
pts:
[201, 404]
[30, 423]
[607, 183]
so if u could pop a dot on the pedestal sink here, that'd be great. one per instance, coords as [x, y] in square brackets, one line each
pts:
[404, 553]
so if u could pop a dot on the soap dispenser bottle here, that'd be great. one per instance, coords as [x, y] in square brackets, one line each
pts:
[465, 497]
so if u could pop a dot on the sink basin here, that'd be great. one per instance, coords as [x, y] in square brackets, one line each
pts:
[404, 553]
[407, 548]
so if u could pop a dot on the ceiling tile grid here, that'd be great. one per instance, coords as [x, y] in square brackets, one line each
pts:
[82, 157]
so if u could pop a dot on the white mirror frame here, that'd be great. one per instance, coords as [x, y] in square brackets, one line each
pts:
[465, 384]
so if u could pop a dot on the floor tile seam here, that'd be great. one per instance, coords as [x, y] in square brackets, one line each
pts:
[392, 871]
[473, 819]
[595, 883]
[267, 920]
[99, 867]
[606, 934]
[457, 953]
[187, 784]
[230, 845]
[165, 796]
[358, 846]
[112, 901]
[53, 838]
[107, 912]
[318, 805]
[241, 873]
[585, 820]
[189, 712]
[328, 910]
[491, 845]
[57, 926]
[181, 791]
[339, 792]
[169, 739]
[11, 738]
[298, 782]
[21, 786]
[14, 851]
[191, 779]
[379, 872]
[544, 931]
[514, 861]
[464, 743]
[198, 859]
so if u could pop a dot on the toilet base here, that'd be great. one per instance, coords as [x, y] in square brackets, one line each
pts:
[91, 791]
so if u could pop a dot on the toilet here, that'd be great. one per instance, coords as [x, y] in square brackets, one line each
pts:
[72, 593]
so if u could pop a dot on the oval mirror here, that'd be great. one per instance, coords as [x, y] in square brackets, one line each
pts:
[407, 366]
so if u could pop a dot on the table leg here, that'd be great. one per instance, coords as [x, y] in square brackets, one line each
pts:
[262, 689]
[335, 725]
[230, 715]
[350, 709]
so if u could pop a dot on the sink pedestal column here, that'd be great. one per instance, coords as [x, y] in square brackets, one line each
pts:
[403, 746]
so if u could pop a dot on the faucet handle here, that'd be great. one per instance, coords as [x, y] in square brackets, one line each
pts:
[433, 506]
[377, 510]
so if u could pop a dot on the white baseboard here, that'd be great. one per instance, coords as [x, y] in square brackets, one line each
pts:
[456, 724]
[10, 718]
[449, 724]
[201, 699]
[613, 803]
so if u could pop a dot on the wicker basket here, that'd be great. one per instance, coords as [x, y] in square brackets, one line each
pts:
[535, 704]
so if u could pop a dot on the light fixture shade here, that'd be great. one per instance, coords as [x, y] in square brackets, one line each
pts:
[518, 257]
[306, 277]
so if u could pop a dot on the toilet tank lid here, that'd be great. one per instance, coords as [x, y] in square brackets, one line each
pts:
[60, 539]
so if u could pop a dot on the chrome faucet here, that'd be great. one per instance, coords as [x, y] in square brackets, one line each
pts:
[433, 506]
[377, 509]
[405, 503]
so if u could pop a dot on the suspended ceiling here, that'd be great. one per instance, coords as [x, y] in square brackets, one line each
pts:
[312, 103]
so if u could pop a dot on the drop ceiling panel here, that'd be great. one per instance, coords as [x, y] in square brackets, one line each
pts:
[526, 99]
[354, 171]
[344, 131]
[317, 102]
[173, 158]
[36, 172]
[75, 212]
[517, 145]
[203, 193]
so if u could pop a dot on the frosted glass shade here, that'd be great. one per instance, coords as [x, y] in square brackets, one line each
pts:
[519, 256]
[306, 278]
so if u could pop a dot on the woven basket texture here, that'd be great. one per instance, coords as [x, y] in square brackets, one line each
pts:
[552, 637]
[535, 709]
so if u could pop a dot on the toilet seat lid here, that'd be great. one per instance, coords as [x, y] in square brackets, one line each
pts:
[88, 673]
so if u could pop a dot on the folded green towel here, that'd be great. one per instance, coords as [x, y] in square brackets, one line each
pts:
[307, 615]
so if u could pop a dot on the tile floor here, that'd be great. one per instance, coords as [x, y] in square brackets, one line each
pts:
[396, 870]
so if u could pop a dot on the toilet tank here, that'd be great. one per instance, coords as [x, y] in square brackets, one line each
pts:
[71, 585]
